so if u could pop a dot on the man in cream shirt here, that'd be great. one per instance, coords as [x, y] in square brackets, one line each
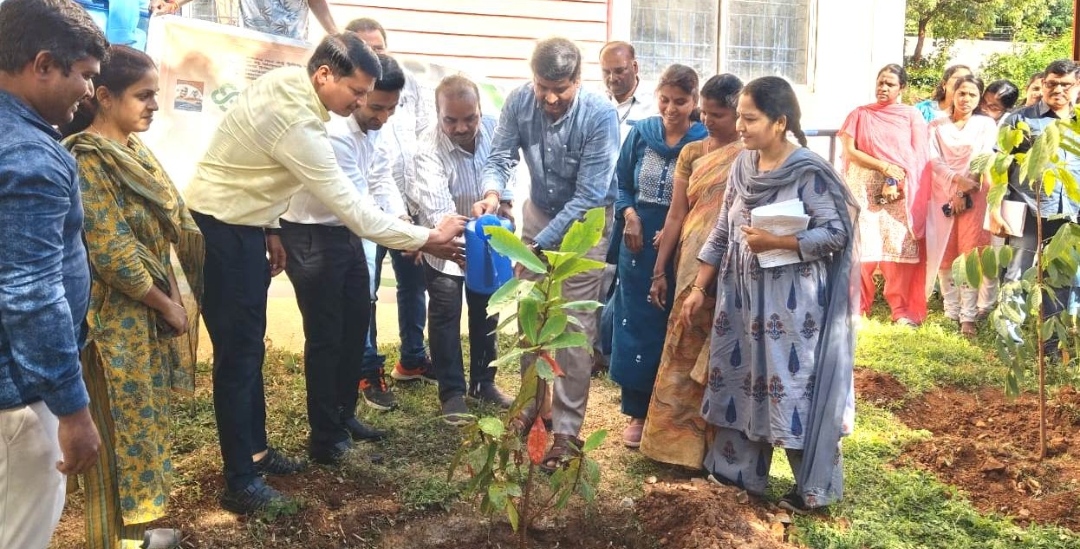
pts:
[271, 144]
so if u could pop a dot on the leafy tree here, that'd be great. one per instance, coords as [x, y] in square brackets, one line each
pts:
[965, 19]
[1026, 59]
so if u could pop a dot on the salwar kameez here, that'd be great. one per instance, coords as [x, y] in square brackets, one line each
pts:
[781, 360]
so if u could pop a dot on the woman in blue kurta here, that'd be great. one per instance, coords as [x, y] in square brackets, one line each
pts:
[781, 360]
[646, 174]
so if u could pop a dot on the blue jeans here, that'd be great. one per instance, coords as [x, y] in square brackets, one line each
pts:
[412, 313]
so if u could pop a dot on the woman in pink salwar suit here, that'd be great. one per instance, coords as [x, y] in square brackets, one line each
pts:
[885, 156]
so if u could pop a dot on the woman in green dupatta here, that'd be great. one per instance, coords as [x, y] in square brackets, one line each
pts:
[142, 331]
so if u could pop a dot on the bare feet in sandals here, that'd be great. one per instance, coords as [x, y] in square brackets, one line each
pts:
[563, 449]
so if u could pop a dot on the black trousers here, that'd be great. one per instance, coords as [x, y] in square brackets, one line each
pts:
[236, 276]
[329, 274]
[444, 334]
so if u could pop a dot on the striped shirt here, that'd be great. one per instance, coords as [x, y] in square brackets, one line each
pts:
[448, 180]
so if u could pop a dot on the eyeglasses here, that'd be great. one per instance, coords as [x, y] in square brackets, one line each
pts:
[1053, 84]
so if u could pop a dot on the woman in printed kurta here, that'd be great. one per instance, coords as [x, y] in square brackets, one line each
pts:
[884, 160]
[781, 359]
[674, 429]
[134, 359]
[954, 142]
[646, 173]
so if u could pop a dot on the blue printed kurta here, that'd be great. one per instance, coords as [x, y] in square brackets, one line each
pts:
[768, 321]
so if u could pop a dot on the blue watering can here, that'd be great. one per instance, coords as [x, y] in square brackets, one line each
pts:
[485, 269]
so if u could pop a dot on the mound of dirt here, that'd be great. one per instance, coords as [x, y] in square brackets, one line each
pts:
[987, 445]
[701, 515]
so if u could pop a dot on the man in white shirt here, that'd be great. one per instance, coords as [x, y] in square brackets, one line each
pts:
[271, 144]
[413, 116]
[449, 163]
[619, 66]
[329, 273]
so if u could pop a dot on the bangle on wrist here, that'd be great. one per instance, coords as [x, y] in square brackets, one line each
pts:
[658, 276]
[700, 289]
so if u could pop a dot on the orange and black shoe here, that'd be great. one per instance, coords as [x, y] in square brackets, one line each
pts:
[376, 394]
[423, 371]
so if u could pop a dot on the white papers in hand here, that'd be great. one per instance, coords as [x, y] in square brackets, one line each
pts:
[782, 219]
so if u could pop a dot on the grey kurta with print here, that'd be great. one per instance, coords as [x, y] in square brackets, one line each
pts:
[768, 321]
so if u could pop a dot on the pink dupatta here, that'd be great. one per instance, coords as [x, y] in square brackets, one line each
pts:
[897, 134]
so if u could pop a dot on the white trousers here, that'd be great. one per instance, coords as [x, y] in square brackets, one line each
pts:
[31, 489]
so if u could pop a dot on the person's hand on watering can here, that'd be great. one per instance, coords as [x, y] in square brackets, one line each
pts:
[445, 240]
[490, 204]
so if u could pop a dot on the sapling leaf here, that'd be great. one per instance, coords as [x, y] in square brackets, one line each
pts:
[511, 246]
[584, 236]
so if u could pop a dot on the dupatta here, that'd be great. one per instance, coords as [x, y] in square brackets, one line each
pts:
[897, 134]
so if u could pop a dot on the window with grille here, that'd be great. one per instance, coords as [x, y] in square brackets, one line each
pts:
[766, 37]
[226, 12]
[674, 31]
[749, 38]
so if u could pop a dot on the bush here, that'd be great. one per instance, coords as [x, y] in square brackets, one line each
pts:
[1025, 60]
[924, 75]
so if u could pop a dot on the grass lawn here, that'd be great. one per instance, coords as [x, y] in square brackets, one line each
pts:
[403, 499]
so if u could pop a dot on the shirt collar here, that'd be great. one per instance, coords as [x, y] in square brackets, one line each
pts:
[9, 102]
[566, 115]
[319, 107]
[1044, 111]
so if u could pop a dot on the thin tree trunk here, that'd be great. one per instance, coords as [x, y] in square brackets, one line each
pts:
[917, 55]
[1040, 352]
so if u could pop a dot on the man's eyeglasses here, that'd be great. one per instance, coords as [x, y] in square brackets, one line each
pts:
[1054, 84]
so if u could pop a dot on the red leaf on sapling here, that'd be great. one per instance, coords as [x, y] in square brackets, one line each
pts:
[537, 442]
[554, 365]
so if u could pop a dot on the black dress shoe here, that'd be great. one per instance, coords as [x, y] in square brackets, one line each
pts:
[359, 431]
[329, 454]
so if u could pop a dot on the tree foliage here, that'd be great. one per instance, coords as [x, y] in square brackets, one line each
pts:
[1026, 59]
[970, 19]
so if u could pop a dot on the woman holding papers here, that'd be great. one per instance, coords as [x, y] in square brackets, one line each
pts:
[142, 331]
[958, 201]
[884, 158]
[674, 429]
[782, 351]
[646, 173]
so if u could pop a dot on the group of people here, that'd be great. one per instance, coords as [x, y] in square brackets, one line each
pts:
[320, 171]
[923, 206]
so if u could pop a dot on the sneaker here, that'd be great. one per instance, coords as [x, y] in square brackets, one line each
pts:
[330, 454]
[422, 371]
[376, 394]
[489, 393]
[455, 412]
[276, 463]
[256, 496]
[358, 431]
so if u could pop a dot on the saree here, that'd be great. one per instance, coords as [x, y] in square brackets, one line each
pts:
[674, 429]
[134, 219]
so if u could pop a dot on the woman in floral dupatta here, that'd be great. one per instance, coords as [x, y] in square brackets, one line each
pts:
[885, 155]
[134, 357]
[646, 173]
[674, 429]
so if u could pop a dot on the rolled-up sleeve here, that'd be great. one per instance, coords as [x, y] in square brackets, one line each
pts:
[594, 178]
[34, 312]
[503, 158]
[306, 152]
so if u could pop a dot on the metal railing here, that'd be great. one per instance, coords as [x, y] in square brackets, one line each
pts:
[825, 134]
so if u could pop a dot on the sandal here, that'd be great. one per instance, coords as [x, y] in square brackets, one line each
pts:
[276, 463]
[563, 449]
[161, 538]
[794, 503]
[968, 330]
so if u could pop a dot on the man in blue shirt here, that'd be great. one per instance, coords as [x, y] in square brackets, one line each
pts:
[49, 52]
[570, 140]
[1055, 208]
